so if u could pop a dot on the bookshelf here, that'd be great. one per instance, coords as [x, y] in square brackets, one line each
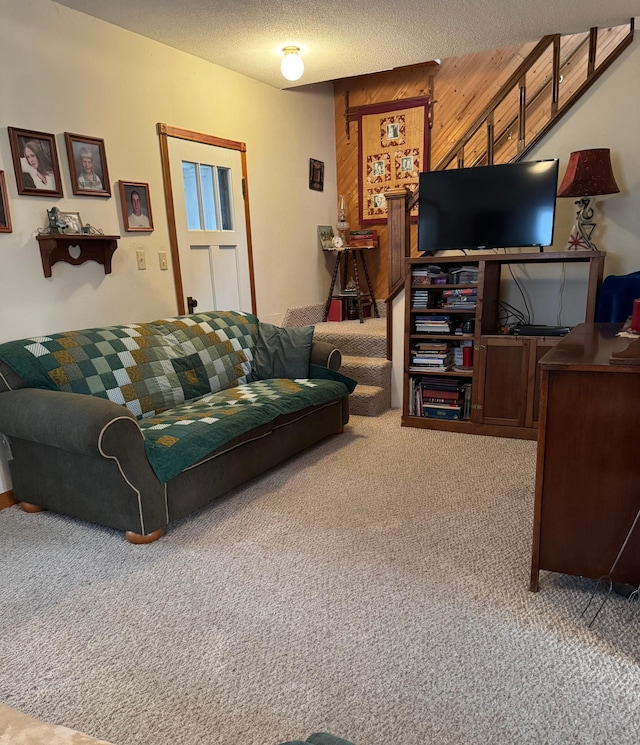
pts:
[460, 372]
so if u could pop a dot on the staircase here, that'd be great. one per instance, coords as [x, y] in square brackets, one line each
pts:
[364, 354]
[552, 78]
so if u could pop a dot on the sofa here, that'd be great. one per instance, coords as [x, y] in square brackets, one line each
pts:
[135, 426]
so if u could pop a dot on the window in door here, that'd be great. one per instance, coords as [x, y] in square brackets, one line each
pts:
[207, 193]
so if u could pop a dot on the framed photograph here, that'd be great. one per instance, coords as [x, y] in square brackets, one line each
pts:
[325, 236]
[136, 206]
[316, 174]
[35, 162]
[87, 166]
[5, 218]
[72, 221]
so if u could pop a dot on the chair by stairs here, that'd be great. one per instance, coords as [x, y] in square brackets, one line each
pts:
[364, 354]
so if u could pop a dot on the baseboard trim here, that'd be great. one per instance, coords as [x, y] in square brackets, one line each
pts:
[7, 500]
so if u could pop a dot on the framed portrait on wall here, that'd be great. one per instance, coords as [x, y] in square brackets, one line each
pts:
[87, 166]
[136, 206]
[5, 218]
[35, 162]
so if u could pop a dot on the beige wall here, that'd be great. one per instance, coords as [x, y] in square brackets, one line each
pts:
[607, 116]
[63, 71]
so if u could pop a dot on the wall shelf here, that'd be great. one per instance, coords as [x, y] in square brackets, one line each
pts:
[54, 247]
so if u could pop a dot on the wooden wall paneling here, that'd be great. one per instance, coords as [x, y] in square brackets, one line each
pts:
[463, 86]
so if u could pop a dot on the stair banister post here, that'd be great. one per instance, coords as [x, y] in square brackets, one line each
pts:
[398, 233]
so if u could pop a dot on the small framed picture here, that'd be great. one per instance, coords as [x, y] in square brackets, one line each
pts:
[72, 221]
[35, 162]
[5, 218]
[325, 236]
[136, 206]
[316, 174]
[87, 166]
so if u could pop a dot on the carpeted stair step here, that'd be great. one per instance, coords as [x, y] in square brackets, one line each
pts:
[368, 339]
[372, 371]
[369, 400]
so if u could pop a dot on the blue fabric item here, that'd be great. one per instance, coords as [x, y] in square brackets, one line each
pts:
[616, 296]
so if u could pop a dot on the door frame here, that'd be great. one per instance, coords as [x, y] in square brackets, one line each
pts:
[164, 132]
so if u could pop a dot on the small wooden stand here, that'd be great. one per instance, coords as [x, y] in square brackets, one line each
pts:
[362, 299]
[54, 247]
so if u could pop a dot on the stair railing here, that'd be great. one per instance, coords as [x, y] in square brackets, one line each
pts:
[518, 80]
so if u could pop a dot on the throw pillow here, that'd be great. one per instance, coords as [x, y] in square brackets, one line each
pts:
[282, 352]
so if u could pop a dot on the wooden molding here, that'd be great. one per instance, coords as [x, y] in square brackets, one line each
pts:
[7, 499]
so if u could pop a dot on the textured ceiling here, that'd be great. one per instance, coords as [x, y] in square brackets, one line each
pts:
[352, 37]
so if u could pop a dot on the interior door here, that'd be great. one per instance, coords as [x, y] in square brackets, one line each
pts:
[207, 208]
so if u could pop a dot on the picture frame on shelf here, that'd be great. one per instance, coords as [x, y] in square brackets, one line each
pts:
[136, 206]
[5, 217]
[325, 237]
[35, 163]
[72, 221]
[87, 165]
[316, 174]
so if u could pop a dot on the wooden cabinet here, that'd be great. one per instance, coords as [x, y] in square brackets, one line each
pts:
[508, 380]
[502, 382]
[588, 469]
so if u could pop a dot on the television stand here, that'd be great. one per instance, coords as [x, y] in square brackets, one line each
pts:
[497, 390]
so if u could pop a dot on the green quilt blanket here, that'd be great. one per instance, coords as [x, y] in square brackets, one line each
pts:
[184, 378]
[147, 367]
[180, 437]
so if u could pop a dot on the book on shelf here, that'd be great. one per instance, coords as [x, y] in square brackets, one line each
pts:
[466, 406]
[440, 383]
[428, 392]
[429, 275]
[364, 233]
[460, 292]
[420, 369]
[431, 346]
[442, 411]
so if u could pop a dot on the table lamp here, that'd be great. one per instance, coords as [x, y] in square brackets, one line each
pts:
[588, 175]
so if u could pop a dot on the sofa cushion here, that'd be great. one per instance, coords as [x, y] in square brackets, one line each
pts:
[141, 366]
[282, 352]
[179, 437]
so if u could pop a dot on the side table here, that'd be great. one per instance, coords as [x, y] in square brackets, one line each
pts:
[363, 299]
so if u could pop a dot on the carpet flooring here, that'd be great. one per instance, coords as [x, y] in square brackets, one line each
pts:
[374, 586]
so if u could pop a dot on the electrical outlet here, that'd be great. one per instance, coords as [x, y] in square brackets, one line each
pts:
[164, 264]
[141, 259]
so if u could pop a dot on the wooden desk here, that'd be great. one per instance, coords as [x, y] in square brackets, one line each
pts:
[588, 467]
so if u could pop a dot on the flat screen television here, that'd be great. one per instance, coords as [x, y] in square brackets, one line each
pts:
[501, 206]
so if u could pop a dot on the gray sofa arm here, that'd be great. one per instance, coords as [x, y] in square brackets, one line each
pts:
[326, 355]
[70, 421]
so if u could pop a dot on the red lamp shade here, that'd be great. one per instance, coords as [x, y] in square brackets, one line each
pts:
[588, 174]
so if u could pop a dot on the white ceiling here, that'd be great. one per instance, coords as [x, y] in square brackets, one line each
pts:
[343, 38]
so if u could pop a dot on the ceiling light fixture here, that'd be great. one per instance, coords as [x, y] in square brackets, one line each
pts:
[292, 65]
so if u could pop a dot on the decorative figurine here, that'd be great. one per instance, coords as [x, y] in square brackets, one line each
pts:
[56, 224]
